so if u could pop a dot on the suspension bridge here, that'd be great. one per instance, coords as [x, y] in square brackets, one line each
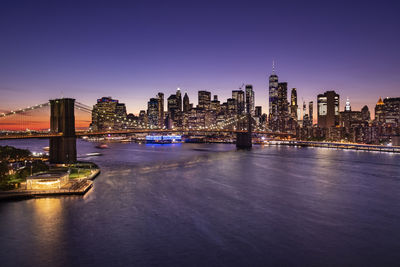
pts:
[63, 127]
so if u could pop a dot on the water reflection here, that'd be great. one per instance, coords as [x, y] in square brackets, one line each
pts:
[209, 204]
[47, 223]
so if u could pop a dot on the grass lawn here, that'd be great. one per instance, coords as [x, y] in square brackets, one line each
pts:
[79, 173]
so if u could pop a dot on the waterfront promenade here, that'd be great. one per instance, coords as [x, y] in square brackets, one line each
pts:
[79, 186]
[338, 145]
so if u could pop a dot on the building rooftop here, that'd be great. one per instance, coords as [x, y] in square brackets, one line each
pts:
[48, 175]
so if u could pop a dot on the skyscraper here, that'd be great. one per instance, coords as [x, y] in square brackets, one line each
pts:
[108, 114]
[215, 104]
[238, 95]
[306, 118]
[160, 97]
[152, 112]
[328, 109]
[179, 99]
[250, 99]
[173, 105]
[186, 103]
[392, 111]
[273, 96]
[348, 106]
[379, 111]
[204, 100]
[311, 112]
[282, 100]
[293, 104]
[365, 114]
[258, 111]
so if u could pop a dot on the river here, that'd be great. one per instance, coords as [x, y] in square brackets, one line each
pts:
[210, 205]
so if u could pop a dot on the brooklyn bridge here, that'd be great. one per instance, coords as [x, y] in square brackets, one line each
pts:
[62, 133]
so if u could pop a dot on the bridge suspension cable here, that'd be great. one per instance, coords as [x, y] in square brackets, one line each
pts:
[24, 110]
[83, 107]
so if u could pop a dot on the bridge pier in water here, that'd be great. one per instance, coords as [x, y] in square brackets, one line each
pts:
[244, 139]
[62, 122]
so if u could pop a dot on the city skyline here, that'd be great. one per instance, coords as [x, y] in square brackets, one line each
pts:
[133, 51]
[40, 122]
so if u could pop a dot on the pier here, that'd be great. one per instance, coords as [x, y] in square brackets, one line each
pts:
[338, 145]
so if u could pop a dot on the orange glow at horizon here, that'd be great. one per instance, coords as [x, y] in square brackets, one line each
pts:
[40, 120]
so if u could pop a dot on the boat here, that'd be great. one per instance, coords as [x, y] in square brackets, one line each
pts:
[102, 146]
[93, 154]
[165, 139]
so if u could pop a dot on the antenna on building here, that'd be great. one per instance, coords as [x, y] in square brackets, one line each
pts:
[273, 66]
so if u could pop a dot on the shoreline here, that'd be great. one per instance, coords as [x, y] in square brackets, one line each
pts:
[337, 145]
[84, 185]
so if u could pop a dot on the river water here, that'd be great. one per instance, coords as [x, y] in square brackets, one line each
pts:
[210, 205]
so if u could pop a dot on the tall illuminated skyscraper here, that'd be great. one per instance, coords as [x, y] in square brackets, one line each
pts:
[273, 95]
[282, 100]
[249, 99]
[380, 111]
[152, 112]
[311, 111]
[160, 97]
[348, 106]
[328, 109]
[179, 99]
[108, 114]
[204, 100]
[293, 104]
[238, 95]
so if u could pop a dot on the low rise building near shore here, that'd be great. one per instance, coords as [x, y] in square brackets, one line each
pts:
[47, 180]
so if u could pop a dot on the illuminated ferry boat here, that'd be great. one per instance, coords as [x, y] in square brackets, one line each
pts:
[163, 139]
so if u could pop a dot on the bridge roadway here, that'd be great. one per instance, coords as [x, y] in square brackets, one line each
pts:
[150, 131]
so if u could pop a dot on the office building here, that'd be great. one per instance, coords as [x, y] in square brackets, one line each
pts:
[215, 104]
[293, 104]
[379, 111]
[152, 112]
[311, 112]
[204, 100]
[366, 116]
[250, 99]
[160, 97]
[328, 109]
[258, 111]
[108, 114]
[186, 103]
[273, 96]
[239, 97]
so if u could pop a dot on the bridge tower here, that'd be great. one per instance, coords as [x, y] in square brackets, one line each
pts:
[243, 139]
[62, 122]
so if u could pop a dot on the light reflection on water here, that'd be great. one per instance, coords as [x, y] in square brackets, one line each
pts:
[47, 223]
[209, 204]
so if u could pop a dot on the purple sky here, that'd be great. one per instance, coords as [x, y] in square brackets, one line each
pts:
[132, 50]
